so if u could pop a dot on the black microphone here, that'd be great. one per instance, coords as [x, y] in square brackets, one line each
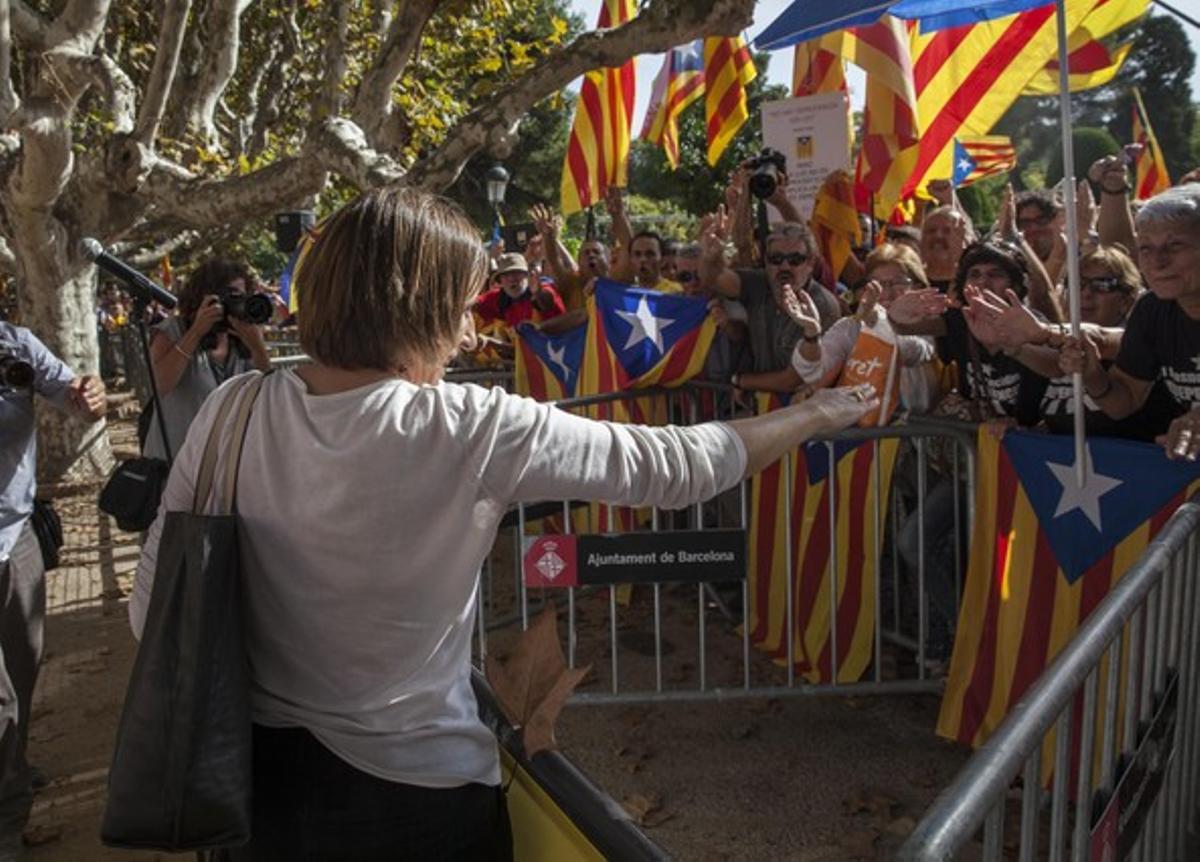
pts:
[141, 287]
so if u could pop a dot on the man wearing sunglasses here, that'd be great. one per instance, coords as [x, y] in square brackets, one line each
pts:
[773, 335]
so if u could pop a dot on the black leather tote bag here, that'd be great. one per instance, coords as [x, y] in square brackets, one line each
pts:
[181, 772]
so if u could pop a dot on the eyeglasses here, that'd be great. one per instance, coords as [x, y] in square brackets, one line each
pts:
[794, 259]
[894, 282]
[686, 277]
[1106, 284]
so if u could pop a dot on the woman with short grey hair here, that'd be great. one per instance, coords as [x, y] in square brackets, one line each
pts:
[370, 493]
[1158, 364]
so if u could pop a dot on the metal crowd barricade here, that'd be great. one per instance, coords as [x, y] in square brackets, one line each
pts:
[901, 626]
[1142, 644]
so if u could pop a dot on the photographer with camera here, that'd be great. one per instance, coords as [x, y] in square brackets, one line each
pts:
[215, 334]
[27, 367]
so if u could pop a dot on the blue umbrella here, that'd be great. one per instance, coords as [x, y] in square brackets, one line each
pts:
[808, 19]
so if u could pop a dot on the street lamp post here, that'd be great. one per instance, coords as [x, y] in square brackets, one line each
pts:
[497, 185]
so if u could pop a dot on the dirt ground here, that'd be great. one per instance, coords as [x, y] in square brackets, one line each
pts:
[803, 778]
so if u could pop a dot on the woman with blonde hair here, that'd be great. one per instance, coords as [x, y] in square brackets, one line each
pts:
[370, 493]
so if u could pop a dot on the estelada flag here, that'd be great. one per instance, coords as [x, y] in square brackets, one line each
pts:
[1043, 555]
[638, 338]
[547, 366]
[849, 544]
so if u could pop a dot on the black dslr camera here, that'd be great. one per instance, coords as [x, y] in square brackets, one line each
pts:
[15, 373]
[767, 171]
[252, 308]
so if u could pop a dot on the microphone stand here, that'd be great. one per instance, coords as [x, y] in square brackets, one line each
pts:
[140, 307]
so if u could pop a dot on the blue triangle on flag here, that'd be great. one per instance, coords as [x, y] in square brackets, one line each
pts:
[964, 165]
[562, 354]
[643, 325]
[816, 457]
[1127, 483]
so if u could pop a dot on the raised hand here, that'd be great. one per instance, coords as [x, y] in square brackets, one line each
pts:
[1014, 323]
[86, 395]
[941, 191]
[868, 300]
[801, 309]
[980, 320]
[1006, 223]
[714, 233]
[547, 222]
[1086, 208]
[1080, 356]
[1182, 439]
[614, 201]
[917, 305]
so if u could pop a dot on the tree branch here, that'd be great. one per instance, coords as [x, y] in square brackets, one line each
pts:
[331, 98]
[343, 149]
[658, 27]
[79, 26]
[162, 76]
[8, 96]
[140, 257]
[202, 203]
[30, 28]
[222, 45]
[372, 108]
[280, 62]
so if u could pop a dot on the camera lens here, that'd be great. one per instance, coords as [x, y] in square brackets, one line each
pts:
[763, 182]
[15, 372]
[257, 309]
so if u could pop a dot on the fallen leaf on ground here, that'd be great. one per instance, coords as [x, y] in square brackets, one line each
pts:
[37, 835]
[534, 683]
[647, 809]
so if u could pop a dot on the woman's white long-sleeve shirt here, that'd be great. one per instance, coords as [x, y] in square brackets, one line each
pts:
[364, 519]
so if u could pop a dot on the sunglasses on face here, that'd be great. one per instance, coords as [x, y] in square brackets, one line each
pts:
[686, 277]
[1107, 284]
[794, 259]
[894, 283]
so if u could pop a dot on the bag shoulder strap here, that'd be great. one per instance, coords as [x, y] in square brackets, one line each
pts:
[212, 447]
[228, 494]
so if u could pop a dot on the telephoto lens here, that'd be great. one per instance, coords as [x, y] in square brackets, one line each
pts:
[253, 308]
[15, 372]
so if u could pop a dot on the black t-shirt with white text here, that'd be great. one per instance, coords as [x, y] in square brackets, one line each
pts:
[1161, 345]
[1008, 386]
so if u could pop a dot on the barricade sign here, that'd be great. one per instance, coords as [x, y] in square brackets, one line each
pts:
[686, 555]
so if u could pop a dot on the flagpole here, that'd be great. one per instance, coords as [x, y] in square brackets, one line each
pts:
[1064, 103]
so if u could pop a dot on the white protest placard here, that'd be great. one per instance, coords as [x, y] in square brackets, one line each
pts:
[813, 133]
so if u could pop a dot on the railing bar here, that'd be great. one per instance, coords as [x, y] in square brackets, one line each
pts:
[895, 507]
[1083, 781]
[1148, 655]
[789, 621]
[1058, 802]
[1169, 816]
[1192, 775]
[957, 535]
[745, 594]
[520, 567]
[612, 629]
[1031, 792]
[1132, 679]
[832, 481]
[922, 610]
[700, 645]
[658, 653]
[993, 833]
[876, 549]
[1112, 685]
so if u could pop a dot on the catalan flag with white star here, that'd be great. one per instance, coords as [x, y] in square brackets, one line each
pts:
[1045, 552]
[979, 157]
[639, 338]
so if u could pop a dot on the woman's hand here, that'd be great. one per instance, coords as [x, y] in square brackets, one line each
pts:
[868, 300]
[1006, 223]
[87, 397]
[917, 305]
[1182, 440]
[838, 408]
[1082, 356]
[208, 315]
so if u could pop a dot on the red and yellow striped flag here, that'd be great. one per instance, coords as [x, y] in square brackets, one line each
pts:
[679, 83]
[598, 149]
[890, 131]
[849, 542]
[817, 69]
[1090, 62]
[1043, 555]
[968, 76]
[1151, 167]
[835, 221]
[728, 68]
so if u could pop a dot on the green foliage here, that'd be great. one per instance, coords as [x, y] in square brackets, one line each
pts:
[1088, 144]
[695, 187]
[982, 199]
[1160, 65]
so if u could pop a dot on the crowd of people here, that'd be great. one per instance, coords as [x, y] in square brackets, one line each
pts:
[361, 659]
[980, 322]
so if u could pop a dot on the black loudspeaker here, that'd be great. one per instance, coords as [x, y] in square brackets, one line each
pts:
[290, 227]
